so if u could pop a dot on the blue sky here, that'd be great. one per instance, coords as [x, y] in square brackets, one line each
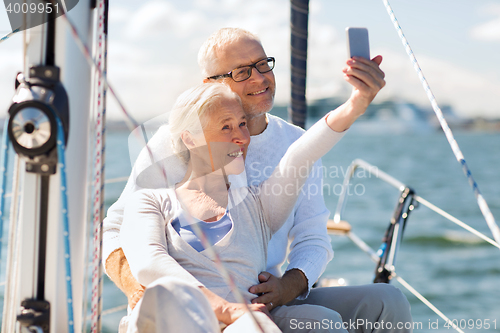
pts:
[153, 48]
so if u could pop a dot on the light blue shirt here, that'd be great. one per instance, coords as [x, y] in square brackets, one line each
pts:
[214, 231]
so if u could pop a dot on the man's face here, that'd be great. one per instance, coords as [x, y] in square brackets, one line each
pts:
[257, 92]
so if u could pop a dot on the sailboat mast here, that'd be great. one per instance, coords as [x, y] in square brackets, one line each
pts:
[52, 58]
[297, 111]
[76, 77]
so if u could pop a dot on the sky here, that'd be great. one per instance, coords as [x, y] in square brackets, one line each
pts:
[153, 46]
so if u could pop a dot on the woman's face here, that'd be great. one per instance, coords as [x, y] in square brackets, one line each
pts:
[225, 137]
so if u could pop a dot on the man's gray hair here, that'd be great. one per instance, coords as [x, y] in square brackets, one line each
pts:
[212, 48]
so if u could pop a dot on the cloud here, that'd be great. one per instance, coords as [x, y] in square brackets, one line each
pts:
[147, 87]
[468, 92]
[149, 83]
[118, 14]
[152, 74]
[489, 31]
[155, 18]
[326, 57]
[153, 49]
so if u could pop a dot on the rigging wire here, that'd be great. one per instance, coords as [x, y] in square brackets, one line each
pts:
[373, 170]
[98, 201]
[373, 255]
[132, 123]
[114, 310]
[455, 220]
[3, 178]
[3, 188]
[483, 206]
[65, 220]
[10, 34]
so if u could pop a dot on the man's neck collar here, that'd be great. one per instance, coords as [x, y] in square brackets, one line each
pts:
[258, 124]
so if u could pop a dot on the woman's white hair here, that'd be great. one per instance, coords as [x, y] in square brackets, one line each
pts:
[210, 50]
[192, 110]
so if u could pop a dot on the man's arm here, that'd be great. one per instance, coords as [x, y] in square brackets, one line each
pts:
[309, 239]
[119, 272]
[115, 263]
[279, 291]
[310, 245]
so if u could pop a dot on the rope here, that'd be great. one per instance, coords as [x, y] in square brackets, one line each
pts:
[10, 34]
[483, 206]
[115, 309]
[98, 202]
[131, 122]
[116, 180]
[3, 178]
[65, 219]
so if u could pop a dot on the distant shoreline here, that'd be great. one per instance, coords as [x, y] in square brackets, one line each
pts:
[405, 114]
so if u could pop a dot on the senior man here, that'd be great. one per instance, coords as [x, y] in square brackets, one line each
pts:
[237, 57]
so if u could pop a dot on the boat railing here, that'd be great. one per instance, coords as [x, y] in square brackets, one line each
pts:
[377, 173]
[385, 256]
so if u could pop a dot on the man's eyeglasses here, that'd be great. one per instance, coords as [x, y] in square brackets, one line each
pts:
[244, 73]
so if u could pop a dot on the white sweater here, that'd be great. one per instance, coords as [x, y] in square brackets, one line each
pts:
[154, 249]
[310, 248]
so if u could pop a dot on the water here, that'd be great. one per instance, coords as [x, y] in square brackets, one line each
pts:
[455, 270]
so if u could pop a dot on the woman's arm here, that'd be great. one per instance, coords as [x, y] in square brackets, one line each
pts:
[227, 312]
[143, 240]
[279, 193]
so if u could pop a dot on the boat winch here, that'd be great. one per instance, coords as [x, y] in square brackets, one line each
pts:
[32, 128]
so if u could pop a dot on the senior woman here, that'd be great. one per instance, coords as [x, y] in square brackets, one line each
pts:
[159, 234]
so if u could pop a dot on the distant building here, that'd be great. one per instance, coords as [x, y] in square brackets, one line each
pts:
[393, 116]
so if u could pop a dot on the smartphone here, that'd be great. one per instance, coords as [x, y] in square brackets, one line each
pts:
[357, 42]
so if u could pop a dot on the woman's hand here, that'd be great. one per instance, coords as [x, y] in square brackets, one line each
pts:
[233, 311]
[227, 312]
[367, 79]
